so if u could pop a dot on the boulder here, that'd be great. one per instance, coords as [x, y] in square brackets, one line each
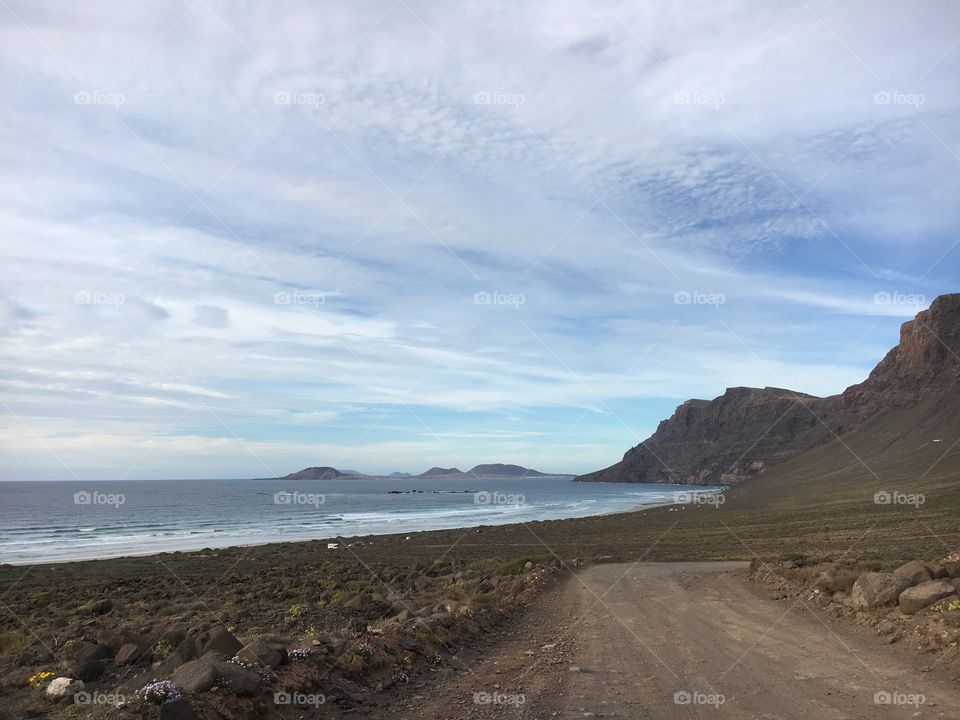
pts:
[179, 709]
[219, 639]
[114, 639]
[170, 663]
[131, 653]
[84, 650]
[195, 676]
[872, 590]
[63, 687]
[915, 599]
[187, 649]
[237, 678]
[87, 669]
[917, 571]
[262, 652]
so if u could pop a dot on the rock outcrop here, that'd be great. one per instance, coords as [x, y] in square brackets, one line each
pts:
[746, 430]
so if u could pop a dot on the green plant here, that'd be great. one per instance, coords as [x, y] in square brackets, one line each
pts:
[297, 611]
[13, 642]
[163, 647]
[953, 606]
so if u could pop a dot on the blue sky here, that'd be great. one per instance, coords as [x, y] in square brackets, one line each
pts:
[239, 240]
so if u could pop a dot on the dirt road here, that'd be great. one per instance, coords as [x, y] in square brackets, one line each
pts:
[687, 640]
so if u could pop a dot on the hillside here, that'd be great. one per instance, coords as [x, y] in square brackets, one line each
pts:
[440, 472]
[504, 470]
[746, 430]
[317, 473]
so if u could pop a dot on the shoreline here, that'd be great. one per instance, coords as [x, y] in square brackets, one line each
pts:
[111, 543]
[207, 548]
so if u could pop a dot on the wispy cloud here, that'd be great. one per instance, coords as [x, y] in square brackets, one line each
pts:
[380, 233]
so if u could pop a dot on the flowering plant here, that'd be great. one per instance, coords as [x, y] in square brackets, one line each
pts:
[40, 679]
[159, 692]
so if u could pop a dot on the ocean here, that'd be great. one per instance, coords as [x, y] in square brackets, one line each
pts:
[52, 521]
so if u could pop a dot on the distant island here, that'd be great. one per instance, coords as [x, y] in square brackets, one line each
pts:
[505, 470]
[487, 470]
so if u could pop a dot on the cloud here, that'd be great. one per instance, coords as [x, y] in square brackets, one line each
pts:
[270, 227]
[210, 316]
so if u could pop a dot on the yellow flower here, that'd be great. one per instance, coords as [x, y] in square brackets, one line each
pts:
[40, 678]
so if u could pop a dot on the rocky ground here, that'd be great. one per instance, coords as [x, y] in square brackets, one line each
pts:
[241, 637]
[914, 604]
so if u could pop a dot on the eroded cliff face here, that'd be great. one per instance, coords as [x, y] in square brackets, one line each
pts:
[745, 430]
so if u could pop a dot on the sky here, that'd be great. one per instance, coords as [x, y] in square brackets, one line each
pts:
[239, 239]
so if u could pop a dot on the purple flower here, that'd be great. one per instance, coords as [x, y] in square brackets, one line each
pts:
[158, 692]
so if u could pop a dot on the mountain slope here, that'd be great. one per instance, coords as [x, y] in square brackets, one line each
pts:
[746, 430]
[504, 469]
[316, 473]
